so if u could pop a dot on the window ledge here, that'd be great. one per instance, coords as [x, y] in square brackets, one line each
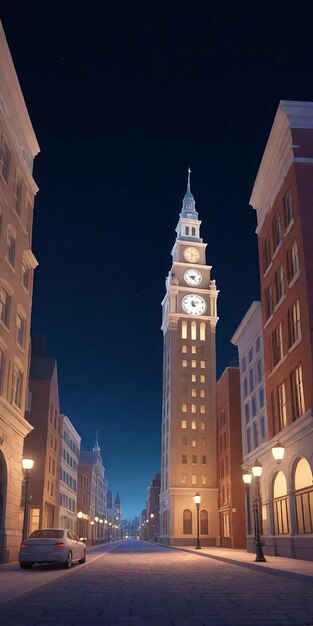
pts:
[267, 269]
[289, 227]
[279, 303]
[268, 321]
[295, 344]
[294, 279]
[275, 253]
[277, 366]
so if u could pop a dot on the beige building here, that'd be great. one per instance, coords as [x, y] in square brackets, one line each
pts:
[69, 459]
[18, 147]
[189, 389]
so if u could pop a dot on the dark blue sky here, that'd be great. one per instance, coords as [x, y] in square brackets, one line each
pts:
[123, 96]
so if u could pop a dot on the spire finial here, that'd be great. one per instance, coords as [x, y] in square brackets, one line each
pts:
[96, 446]
[188, 182]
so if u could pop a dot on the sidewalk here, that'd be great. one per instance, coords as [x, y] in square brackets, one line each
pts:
[279, 565]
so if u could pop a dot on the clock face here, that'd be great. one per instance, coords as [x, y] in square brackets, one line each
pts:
[193, 304]
[193, 277]
[191, 254]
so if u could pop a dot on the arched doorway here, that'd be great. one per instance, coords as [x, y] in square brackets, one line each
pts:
[3, 496]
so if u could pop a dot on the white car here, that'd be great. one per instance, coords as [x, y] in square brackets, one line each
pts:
[51, 545]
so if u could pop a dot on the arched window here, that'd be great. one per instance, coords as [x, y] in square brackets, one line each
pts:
[202, 331]
[4, 306]
[187, 522]
[187, 230]
[281, 525]
[204, 522]
[193, 231]
[184, 329]
[2, 367]
[193, 330]
[304, 497]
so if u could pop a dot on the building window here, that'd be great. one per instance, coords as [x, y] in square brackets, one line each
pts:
[297, 396]
[28, 217]
[255, 435]
[4, 159]
[261, 397]
[184, 329]
[282, 405]
[202, 365]
[276, 231]
[193, 349]
[294, 326]
[4, 307]
[202, 378]
[277, 345]
[251, 379]
[18, 193]
[187, 231]
[253, 402]
[304, 497]
[245, 387]
[194, 459]
[203, 459]
[184, 479]
[267, 256]
[258, 344]
[262, 422]
[279, 284]
[203, 479]
[184, 408]
[25, 276]
[2, 368]
[193, 364]
[10, 248]
[193, 393]
[202, 425]
[193, 479]
[281, 525]
[203, 442]
[193, 330]
[247, 412]
[193, 408]
[193, 425]
[20, 330]
[184, 424]
[259, 370]
[194, 443]
[249, 441]
[225, 526]
[269, 307]
[292, 261]
[288, 209]
[187, 522]
[184, 363]
[193, 231]
[17, 385]
[204, 522]
[184, 349]
[193, 378]
[202, 331]
[244, 364]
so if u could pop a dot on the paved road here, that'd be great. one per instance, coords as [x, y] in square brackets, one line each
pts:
[137, 584]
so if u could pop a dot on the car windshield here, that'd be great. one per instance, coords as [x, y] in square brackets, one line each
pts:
[46, 534]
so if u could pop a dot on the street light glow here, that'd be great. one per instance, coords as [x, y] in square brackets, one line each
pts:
[27, 464]
[278, 451]
[257, 469]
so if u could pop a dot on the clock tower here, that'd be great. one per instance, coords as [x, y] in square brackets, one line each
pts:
[189, 389]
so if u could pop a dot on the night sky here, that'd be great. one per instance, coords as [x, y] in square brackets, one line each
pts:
[123, 97]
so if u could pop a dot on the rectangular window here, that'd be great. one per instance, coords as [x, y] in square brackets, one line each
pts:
[203, 459]
[245, 387]
[254, 409]
[203, 442]
[251, 379]
[288, 209]
[193, 408]
[184, 363]
[261, 397]
[267, 255]
[249, 442]
[4, 160]
[258, 344]
[193, 364]
[18, 193]
[244, 364]
[10, 249]
[259, 370]
[20, 330]
[203, 479]
[193, 479]
[193, 349]
[202, 425]
[279, 284]
[277, 345]
[193, 393]
[202, 378]
[297, 395]
[255, 434]
[184, 376]
[292, 261]
[184, 408]
[193, 378]
[202, 408]
[202, 365]
[4, 307]
[262, 422]
[276, 231]
[184, 441]
[194, 459]
[282, 405]
[269, 307]
[184, 479]
[184, 424]
[25, 276]
[184, 329]
[194, 443]
[294, 326]
[193, 425]
[184, 349]
[17, 384]
[184, 458]
[202, 393]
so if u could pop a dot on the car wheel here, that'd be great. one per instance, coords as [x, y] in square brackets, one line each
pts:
[69, 561]
[26, 564]
[83, 560]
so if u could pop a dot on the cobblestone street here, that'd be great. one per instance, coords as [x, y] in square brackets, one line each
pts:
[139, 583]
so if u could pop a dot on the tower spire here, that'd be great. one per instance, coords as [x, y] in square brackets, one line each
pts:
[96, 446]
[189, 209]
[188, 181]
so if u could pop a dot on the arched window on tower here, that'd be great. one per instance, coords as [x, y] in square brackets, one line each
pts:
[193, 231]
[280, 507]
[304, 497]
[187, 231]
[187, 522]
[202, 331]
[193, 330]
[184, 329]
[204, 522]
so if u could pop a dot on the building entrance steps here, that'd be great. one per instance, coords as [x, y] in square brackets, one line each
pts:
[279, 565]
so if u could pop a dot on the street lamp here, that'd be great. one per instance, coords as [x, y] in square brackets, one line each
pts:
[197, 500]
[92, 525]
[247, 479]
[278, 452]
[257, 473]
[101, 531]
[27, 465]
[152, 526]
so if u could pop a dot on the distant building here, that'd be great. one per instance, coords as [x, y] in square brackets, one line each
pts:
[18, 147]
[189, 389]
[153, 507]
[282, 197]
[69, 459]
[43, 444]
[117, 517]
[231, 489]
[91, 471]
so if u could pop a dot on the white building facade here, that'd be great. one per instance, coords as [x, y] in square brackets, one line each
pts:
[70, 452]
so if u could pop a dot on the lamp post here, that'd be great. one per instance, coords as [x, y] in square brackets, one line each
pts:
[197, 500]
[27, 465]
[92, 526]
[97, 528]
[79, 523]
[257, 472]
[247, 479]
[105, 530]
[151, 526]
[101, 529]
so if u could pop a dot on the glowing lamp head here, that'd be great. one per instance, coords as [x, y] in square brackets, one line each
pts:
[247, 479]
[80, 514]
[257, 469]
[96, 518]
[27, 464]
[278, 452]
[101, 521]
[197, 498]
[152, 515]
[92, 523]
